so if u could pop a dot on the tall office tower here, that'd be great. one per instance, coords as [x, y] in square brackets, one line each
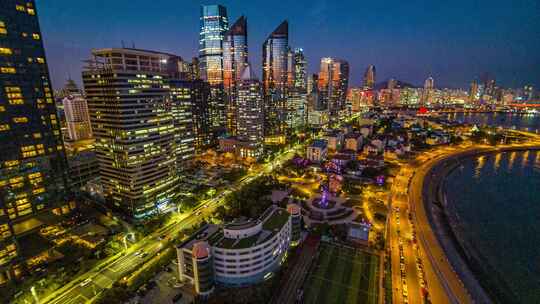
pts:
[130, 112]
[429, 85]
[182, 104]
[369, 77]
[300, 69]
[297, 96]
[275, 79]
[214, 24]
[391, 84]
[195, 68]
[312, 82]
[250, 113]
[76, 111]
[235, 59]
[333, 84]
[32, 163]
[200, 95]
[473, 94]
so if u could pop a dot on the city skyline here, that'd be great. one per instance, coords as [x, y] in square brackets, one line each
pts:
[398, 47]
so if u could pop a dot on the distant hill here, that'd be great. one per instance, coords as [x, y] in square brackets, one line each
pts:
[399, 84]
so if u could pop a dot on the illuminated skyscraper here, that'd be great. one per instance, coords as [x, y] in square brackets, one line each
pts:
[369, 77]
[474, 92]
[429, 85]
[214, 24]
[132, 121]
[250, 113]
[76, 112]
[333, 84]
[275, 78]
[300, 69]
[235, 59]
[297, 96]
[182, 98]
[32, 163]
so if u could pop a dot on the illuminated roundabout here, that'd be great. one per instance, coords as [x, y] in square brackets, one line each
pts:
[450, 278]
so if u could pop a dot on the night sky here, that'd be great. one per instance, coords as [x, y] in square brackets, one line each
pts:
[454, 41]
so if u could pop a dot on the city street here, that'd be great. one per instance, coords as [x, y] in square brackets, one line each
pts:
[103, 276]
[409, 216]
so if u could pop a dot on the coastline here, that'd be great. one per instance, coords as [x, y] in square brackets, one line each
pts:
[481, 280]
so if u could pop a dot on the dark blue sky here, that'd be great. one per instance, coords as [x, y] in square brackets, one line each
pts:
[454, 41]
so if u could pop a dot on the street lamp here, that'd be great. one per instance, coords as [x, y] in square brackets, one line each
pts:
[125, 239]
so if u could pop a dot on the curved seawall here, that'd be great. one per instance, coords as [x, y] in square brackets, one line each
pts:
[482, 284]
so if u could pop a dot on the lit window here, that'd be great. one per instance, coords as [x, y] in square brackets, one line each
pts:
[20, 8]
[2, 109]
[20, 119]
[7, 70]
[37, 135]
[17, 101]
[24, 34]
[12, 89]
[35, 36]
[4, 127]
[31, 11]
[30, 60]
[5, 51]
[40, 60]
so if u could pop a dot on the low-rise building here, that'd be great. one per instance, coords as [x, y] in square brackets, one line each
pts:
[241, 253]
[353, 141]
[334, 139]
[317, 151]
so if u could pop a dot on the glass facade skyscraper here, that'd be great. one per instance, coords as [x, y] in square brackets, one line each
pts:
[214, 24]
[369, 77]
[275, 78]
[235, 59]
[33, 165]
[333, 84]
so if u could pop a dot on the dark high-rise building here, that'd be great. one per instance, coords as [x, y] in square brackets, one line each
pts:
[297, 95]
[275, 78]
[132, 122]
[33, 167]
[198, 94]
[369, 77]
[333, 84]
[214, 24]
[235, 59]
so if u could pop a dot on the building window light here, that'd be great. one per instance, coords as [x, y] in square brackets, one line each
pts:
[31, 11]
[36, 36]
[20, 8]
[40, 60]
[7, 70]
[5, 51]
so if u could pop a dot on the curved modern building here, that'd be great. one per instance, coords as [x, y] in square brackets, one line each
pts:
[243, 252]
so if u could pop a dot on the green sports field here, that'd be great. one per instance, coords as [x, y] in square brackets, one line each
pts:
[343, 275]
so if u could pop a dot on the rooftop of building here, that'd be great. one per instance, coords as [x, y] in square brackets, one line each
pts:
[273, 219]
[319, 143]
